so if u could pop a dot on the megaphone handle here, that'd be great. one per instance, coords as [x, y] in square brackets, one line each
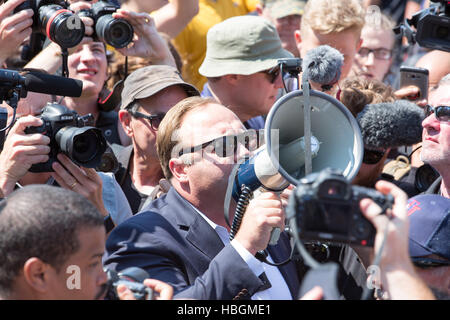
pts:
[274, 236]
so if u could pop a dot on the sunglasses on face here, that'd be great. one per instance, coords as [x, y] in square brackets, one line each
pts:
[155, 120]
[272, 73]
[372, 156]
[429, 263]
[225, 146]
[442, 113]
[381, 53]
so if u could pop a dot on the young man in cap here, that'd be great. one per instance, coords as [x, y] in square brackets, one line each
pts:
[429, 241]
[241, 65]
[286, 16]
[147, 95]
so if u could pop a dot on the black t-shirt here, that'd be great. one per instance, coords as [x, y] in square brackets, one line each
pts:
[135, 198]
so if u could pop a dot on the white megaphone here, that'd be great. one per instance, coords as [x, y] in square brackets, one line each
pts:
[335, 142]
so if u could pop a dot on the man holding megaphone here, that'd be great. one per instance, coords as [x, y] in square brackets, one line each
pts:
[182, 238]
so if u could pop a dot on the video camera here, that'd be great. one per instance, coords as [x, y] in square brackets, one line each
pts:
[68, 134]
[432, 27]
[327, 209]
[115, 32]
[132, 278]
[53, 19]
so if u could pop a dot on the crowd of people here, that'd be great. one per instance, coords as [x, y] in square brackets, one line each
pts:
[173, 106]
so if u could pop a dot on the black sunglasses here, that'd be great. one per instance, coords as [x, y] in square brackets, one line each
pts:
[372, 156]
[442, 113]
[273, 73]
[429, 263]
[225, 146]
[155, 120]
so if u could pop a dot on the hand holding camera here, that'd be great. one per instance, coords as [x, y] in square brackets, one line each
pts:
[147, 42]
[14, 29]
[21, 151]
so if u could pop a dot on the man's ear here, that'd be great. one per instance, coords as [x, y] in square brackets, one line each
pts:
[259, 9]
[298, 39]
[125, 119]
[179, 169]
[232, 79]
[35, 273]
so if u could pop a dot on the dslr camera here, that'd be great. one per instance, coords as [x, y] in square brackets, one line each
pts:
[132, 278]
[327, 209]
[115, 32]
[68, 134]
[432, 26]
[55, 21]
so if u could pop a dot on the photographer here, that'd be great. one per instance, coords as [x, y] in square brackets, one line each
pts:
[397, 275]
[88, 62]
[14, 28]
[51, 242]
[20, 151]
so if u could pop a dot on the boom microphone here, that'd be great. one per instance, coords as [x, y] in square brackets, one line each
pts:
[323, 65]
[391, 124]
[42, 83]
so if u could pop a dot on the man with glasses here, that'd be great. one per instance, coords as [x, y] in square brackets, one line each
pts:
[241, 67]
[182, 238]
[436, 137]
[148, 94]
[429, 241]
[373, 60]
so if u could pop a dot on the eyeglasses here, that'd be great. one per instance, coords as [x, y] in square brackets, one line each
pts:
[226, 146]
[372, 156]
[273, 73]
[429, 263]
[442, 113]
[155, 120]
[380, 53]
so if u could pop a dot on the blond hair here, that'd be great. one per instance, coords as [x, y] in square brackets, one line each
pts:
[356, 93]
[331, 16]
[167, 138]
[375, 19]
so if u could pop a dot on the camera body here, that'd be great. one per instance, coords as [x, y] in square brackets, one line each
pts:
[68, 134]
[132, 278]
[53, 19]
[115, 32]
[432, 25]
[327, 209]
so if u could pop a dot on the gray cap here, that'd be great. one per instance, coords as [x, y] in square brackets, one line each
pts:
[147, 81]
[242, 45]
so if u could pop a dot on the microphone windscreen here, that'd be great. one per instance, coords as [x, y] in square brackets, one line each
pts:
[323, 64]
[391, 124]
[50, 84]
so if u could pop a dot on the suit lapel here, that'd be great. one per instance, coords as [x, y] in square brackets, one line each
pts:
[199, 233]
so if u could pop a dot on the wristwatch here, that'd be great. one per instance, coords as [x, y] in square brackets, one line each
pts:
[108, 222]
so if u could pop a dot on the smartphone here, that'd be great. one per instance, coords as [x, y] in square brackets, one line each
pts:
[412, 76]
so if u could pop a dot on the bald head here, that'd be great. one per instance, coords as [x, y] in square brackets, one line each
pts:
[438, 64]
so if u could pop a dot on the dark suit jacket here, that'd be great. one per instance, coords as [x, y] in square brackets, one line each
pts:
[173, 243]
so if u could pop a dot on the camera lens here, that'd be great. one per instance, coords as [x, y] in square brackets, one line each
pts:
[115, 32]
[61, 25]
[85, 146]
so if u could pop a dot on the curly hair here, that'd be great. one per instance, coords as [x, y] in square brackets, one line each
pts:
[356, 93]
[330, 16]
